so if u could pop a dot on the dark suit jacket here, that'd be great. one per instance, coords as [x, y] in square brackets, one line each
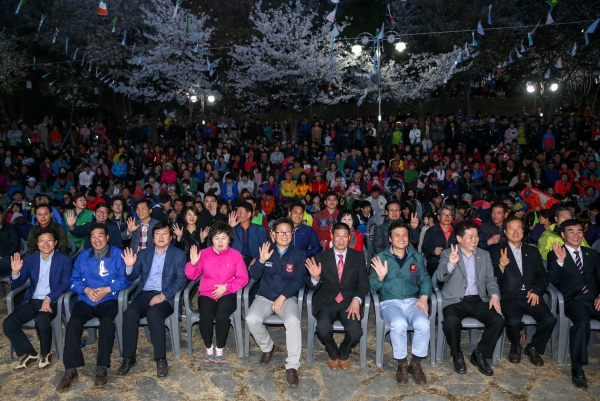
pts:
[114, 234]
[355, 280]
[135, 236]
[60, 275]
[534, 275]
[173, 275]
[569, 281]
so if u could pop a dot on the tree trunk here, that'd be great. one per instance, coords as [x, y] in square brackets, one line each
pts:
[154, 108]
[468, 95]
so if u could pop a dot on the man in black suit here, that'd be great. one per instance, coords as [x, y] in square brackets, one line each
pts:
[161, 269]
[575, 273]
[340, 281]
[523, 280]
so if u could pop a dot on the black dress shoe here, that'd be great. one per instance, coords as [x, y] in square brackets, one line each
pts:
[578, 378]
[534, 356]
[514, 356]
[162, 368]
[460, 366]
[126, 365]
[480, 361]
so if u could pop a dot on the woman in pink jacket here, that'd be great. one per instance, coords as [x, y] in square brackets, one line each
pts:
[223, 273]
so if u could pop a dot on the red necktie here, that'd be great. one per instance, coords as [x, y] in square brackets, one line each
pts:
[340, 269]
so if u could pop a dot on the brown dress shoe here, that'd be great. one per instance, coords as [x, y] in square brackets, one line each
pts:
[334, 364]
[65, 383]
[345, 364]
[101, 377]
[266, 357]
[417, 372]
[402, 373]
[292, 377]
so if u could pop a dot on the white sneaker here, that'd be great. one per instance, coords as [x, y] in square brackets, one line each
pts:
[220, 355]
[210, 354]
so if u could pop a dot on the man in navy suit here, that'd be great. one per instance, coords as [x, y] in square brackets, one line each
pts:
[49, 273]
[161, 269]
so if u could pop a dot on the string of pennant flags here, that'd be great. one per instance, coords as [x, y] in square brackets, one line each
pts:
[335, 35]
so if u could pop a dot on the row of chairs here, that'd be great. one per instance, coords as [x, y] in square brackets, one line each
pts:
[553, 298]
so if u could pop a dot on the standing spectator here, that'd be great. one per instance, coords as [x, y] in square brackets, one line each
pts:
[325, 219]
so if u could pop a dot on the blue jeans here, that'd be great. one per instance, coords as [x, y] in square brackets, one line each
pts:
[399, 313]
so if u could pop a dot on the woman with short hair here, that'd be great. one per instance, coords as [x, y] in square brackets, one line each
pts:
[223, 273]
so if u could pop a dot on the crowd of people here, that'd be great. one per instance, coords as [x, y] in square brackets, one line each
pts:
[490, 209]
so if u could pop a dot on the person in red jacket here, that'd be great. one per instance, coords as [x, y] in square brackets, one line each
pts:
[356, 238]
[562, 186]
[324, 220]
[319, 186]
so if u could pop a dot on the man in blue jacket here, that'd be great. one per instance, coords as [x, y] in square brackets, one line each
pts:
[161, 269]
[282, 273]
[98, 276]
[48, 273]
[304, 237]
[247, 237]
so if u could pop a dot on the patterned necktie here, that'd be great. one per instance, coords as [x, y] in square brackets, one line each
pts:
[340, 269]
[579, 264]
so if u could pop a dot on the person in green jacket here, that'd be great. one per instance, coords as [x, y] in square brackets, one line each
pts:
[411, 173]
[552, 234]
[192, 184]
[397, 134]
[400, 276]
[78, 217]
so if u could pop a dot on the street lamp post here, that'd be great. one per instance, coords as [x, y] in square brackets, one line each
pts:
[364, 38]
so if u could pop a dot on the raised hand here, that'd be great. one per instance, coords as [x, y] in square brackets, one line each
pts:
[265, 252]
[560, 252]
[313, 268]
[380, 268]
[204, 234]
[233, 220]
[194, 255]
[71, 218]
[129, 257]
[454, 258]
[178, 231]
[504, 261]
[414, 221]
[16, 263]
[131, 226]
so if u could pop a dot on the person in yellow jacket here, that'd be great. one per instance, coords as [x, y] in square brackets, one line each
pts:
[288, 187]
[552, 234]
[303, 185]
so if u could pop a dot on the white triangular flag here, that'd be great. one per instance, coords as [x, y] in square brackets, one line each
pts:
[176, 8]
[523, 50]
[547, 74]
[559, 63]
[549, 20]
[480, 28]
[574, 51]
[331, 16]
[519, 55]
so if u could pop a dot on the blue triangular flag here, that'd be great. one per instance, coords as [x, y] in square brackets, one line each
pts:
[519, 55]
[530, 39]
[480, 28]
[335, 31]
[593, 27]
[474, 41]
[490, 15]
[574, 51]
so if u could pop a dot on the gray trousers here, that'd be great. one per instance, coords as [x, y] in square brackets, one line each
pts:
[261, 309]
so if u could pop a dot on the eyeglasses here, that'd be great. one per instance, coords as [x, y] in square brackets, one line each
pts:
[45, 241]
[283, 233]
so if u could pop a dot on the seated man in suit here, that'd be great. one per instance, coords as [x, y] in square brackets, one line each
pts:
[575, 272]
[523, 280]
[49, 274]
[339, 278]
[161, 269]
[281, 270]
[139, 230]
[98, 276]
[470, 290]
[400, 276]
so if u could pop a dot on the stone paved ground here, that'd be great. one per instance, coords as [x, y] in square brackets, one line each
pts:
[244, 379]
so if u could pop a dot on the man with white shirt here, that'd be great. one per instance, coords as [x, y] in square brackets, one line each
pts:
[49, 273]
[523, 280]
[575, 272]
[86, 176]
[470, 290]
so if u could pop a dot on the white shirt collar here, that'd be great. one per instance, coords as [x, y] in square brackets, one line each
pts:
[340, 253]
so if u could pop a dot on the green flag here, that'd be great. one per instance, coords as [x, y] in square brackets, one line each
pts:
[552, 2]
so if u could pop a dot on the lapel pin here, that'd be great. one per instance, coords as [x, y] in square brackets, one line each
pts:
[525, 254]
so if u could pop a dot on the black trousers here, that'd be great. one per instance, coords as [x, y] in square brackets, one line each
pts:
[580, 313]
[13, 327]
[474, 307]
[155, 315]
[106, 312]
[513, 308]
[216, 313]
[352, 329]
